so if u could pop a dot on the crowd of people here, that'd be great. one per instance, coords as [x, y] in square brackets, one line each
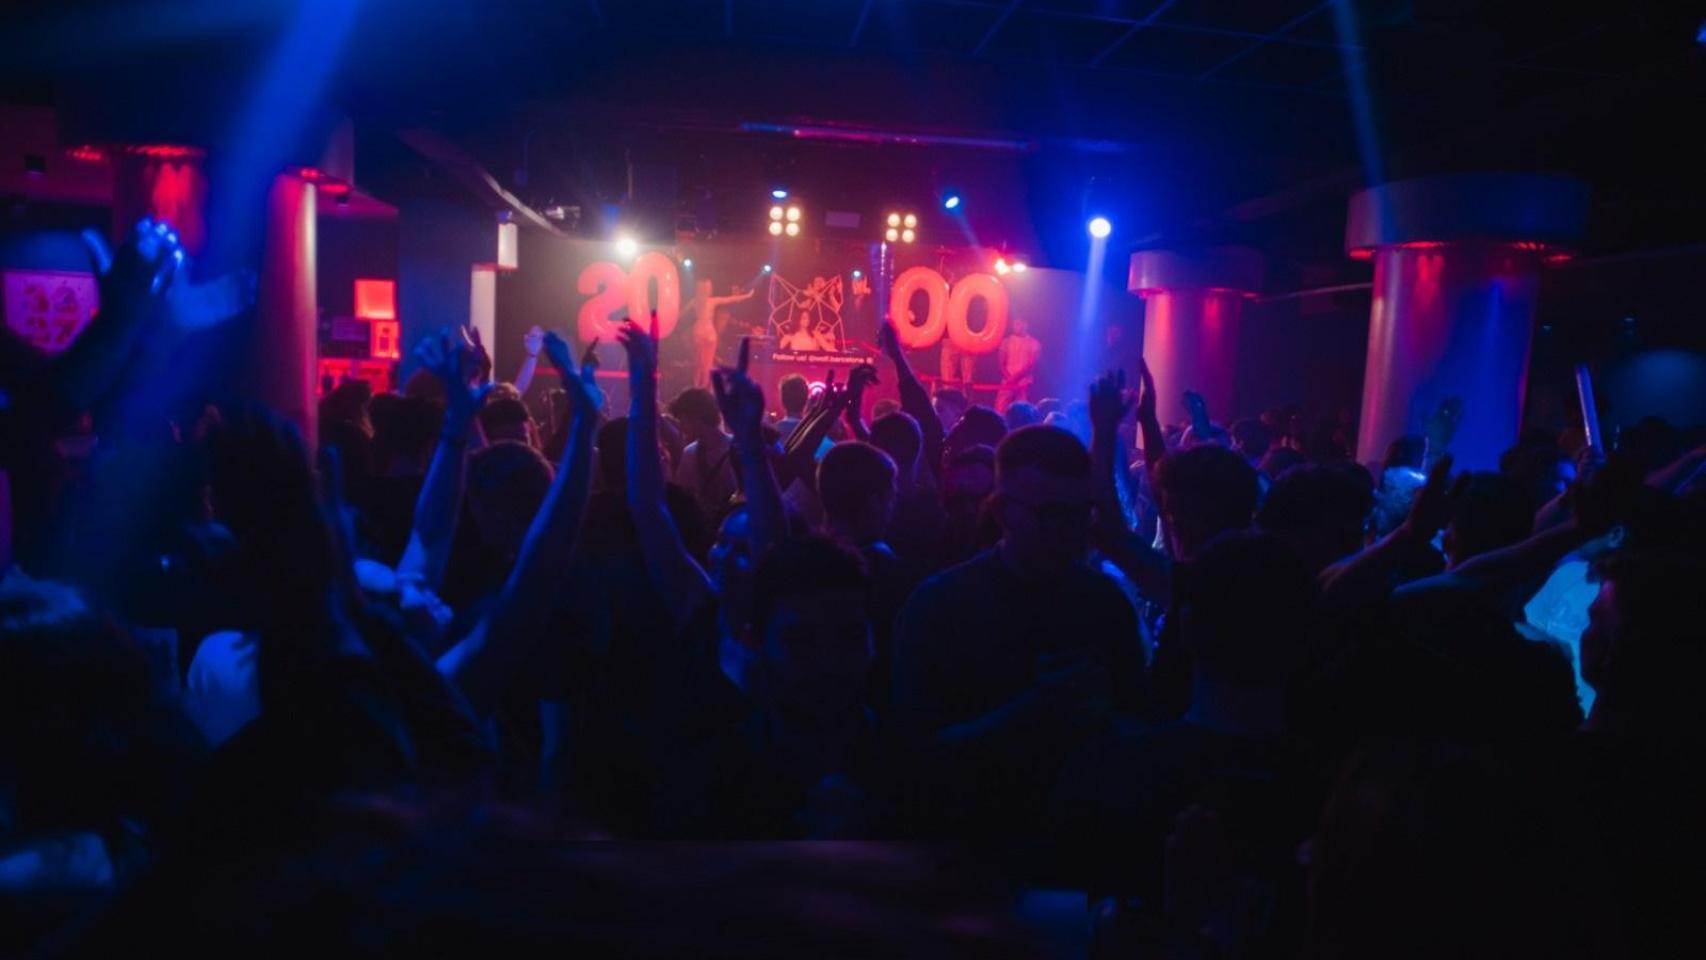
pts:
[1250, 696]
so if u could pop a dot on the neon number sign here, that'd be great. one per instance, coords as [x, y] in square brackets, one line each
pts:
[947, 310]
[616, 293]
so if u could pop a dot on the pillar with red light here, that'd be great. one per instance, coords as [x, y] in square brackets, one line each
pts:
[159, 180]
[1193, 306]
[1457, 262]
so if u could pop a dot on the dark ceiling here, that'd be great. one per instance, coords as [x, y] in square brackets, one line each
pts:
[1204, 120]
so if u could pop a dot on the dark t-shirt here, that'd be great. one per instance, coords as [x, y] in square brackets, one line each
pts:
[971, 641]
[1117, 800]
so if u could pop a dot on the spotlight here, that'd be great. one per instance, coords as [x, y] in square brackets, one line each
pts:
[951, 202]
[1100, 227]
[779, 194]
[857, 274]
[688, 263]
[911, 220]
[894, 219]
[891, 235]
[776, 228]
[793, 229]
[775, 213]
[907, 236]
[627, 246]
[1001, 266]
[1019, 266]
[767, 268]
[793, 214]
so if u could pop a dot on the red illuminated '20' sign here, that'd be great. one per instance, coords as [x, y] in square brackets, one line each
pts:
[946, 310]
[618, 293]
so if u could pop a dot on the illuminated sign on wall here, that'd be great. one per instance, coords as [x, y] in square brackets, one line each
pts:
[49, 308]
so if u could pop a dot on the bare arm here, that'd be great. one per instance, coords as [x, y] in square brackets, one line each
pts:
[679, 577]
[1368, 575]
[742, 403]
[1148, 569]
[451, 360]
[914, 399]
[483, 663]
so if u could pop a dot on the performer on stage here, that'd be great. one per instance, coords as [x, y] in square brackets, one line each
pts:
[804, 339]
[707, 330]
[1018, 355]
[957, 367]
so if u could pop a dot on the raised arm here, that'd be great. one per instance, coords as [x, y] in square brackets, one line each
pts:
[680, 580]
[742, 403]
[1368, 575]
[524, 377]
[483, 663]
[450, 358]
[914, 399]
[1150, 570]
[1148, 422]
[862, 376]
[799, 449]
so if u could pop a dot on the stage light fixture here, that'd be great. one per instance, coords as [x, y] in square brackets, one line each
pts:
[1001, 266]
[907, 236]
[951, 202]
[687, 262]
[775, 228]
[857, 274]
[779, 194]
[1100, 228]
[891, 235]
[627, 246]
[894, 219]
[793, 230]
[793, 214]
[910, 220]
[1019, 266]
[767, 268]
[776, 213]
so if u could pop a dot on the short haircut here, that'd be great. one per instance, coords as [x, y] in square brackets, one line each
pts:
[800, 566]
[849, 475]
[1211, 485]
[1246, 603]
[511, 478]
[1317, 496]
[1050, 449]
[1022, 414]
[794, 392]
[979, 425]
[884, 407]
[504, 414]
[1491, 511]
[1252, 437]
[898, 435]
[695, 405]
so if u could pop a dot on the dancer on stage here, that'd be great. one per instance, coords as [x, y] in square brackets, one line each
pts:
[708, 328]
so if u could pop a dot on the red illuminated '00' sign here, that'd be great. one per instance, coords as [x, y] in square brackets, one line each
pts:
[616, 293]
[947, 310]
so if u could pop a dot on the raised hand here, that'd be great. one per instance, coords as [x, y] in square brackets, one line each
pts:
[1146, 392]
[861, 376]
[534, 340]
[740, 399]
[888, 340]
[1196, 406]
[642, 353]
[585, 399]
[1110, 402]
[453, 361]
[1431, 510]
